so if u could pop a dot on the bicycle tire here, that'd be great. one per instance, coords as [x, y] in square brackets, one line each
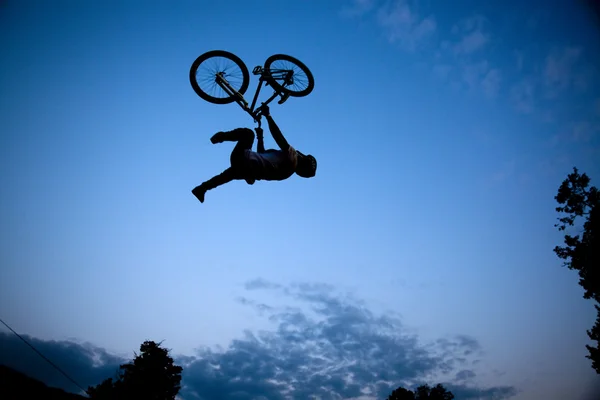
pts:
[213, 54]
[278, 87]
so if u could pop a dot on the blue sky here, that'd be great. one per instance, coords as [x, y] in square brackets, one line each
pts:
[442, 132]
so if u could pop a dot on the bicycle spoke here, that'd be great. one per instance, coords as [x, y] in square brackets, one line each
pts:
[299, 77]
[207, 72]
[219, 77]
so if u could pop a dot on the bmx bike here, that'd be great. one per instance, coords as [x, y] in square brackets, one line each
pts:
[220, 70]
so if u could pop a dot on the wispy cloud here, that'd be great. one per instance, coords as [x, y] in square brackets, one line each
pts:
[465, 55]
[560, 81]
[480, 76]
[519, 60]
[554, 84]
[523, 95]
[491, 83]
[583, 131]
[465, 375]
[329, 346]
[470, 43]
[357, 8]
[260, 284]
[404, 25]
[399, 20]
[335, 348]
[559, 71]
[456, 59]
[471, 35]
[464, 49]
[442, 71]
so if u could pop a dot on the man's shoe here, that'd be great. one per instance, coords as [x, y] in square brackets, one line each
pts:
[217, 138]
[199, 192]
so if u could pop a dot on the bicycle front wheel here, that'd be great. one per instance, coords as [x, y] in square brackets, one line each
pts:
[206, 68]
[297, 84]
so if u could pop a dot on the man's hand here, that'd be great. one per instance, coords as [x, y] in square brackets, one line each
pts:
[264, 110]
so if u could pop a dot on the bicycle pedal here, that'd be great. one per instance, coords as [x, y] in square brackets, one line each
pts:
[283, 98]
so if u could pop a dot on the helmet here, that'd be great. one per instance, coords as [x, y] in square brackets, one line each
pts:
[307, 165]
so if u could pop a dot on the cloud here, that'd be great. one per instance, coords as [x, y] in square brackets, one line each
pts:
[404, 26]
[454, 59]
[330, 347]
[523, 96]
[465, 374]
[358, 8]
[477, 71]
[555, 82]
[84, 363]
[491, 83]
[442, 71]
[472, 36]
[519, 60]
[481, 76]
[559, 71]
[260, 284]
[539, 80]
[464, 50]
[583, 131]
[470, 43]
[333, 348]
[398, 19]
[261, 308]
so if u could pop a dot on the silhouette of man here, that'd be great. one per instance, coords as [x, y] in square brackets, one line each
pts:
[270, 165]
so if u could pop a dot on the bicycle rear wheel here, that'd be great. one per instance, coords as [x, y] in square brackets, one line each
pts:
[204, 70]
[302, 81]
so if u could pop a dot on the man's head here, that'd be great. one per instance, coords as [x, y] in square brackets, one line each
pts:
[307, 165]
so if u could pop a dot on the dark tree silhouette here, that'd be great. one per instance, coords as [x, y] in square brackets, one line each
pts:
[16, 385]
[423, 392]
[152, 375]
[581, 251]
[401, 394]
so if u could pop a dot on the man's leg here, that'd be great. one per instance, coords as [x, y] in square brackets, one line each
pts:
[224, 177]
[240, 135]
[245, 139]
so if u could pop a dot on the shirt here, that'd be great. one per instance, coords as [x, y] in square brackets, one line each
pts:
[271, 165]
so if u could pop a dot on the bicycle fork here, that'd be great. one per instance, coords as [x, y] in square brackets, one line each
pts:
[221, 81]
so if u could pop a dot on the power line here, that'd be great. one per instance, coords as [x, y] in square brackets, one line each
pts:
[44, 357]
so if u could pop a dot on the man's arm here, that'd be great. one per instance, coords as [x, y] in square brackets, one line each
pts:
[276, 133]
[260, 146]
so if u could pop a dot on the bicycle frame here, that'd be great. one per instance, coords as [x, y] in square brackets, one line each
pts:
[239, 98]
